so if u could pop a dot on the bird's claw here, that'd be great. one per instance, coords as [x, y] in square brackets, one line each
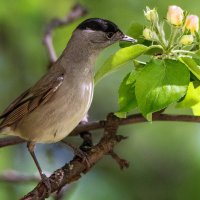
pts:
[45, 180]
[84, 157]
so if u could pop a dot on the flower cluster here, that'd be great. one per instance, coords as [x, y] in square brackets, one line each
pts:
[184, 29]
[169, 72]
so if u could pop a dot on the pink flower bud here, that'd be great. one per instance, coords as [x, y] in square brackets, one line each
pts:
[192, 23]
[175, 15]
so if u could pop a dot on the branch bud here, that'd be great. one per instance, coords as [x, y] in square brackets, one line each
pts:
[175, 15]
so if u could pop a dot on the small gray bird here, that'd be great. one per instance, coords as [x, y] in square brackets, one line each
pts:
[54, 106]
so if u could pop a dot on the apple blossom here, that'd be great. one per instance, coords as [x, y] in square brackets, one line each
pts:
[175, 15]
[192, 23]
[186, 39]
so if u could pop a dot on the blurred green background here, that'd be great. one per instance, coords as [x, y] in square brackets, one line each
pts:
[164, 157]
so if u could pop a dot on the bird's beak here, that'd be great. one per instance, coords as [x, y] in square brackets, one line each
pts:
[128, 39]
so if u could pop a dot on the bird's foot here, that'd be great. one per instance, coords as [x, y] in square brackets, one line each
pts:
[83, 156]
[79, 153]
[87, 141]
[45, 180]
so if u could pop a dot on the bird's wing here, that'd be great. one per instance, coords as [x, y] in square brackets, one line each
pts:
[32, 98]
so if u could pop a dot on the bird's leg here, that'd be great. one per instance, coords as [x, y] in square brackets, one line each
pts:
[31, 147]
[86, 136]
[45, 180]
[87, 141]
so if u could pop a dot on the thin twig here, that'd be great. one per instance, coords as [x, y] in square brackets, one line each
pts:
[121, 162]
[132, 119]
[11, 140]
[76, 12]
[12, 176]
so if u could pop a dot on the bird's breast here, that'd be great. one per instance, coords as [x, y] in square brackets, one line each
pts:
[57, 118]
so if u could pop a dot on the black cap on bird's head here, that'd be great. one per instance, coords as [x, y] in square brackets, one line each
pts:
[106, 26]
[97, 24]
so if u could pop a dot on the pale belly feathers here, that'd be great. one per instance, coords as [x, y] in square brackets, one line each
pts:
[54, 120]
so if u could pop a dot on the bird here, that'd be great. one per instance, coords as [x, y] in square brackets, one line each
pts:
[49, 110]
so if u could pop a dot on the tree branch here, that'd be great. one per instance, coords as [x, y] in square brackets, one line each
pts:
[134, 119]
[74, 170]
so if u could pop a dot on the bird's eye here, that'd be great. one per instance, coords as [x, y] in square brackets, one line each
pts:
[109, 35]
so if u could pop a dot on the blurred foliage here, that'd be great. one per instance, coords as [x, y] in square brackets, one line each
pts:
[164, 157]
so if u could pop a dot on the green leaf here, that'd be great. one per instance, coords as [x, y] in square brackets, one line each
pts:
[154, 50]
[134, 31]
[192, 96]
[139, 66]
[122, 56]
[161, 83]
[127, 100]
[192, 66]
[196, 109]
[132, 78]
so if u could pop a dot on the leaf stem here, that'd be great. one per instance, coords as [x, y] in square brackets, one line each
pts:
[174, 31]
[160, 35]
